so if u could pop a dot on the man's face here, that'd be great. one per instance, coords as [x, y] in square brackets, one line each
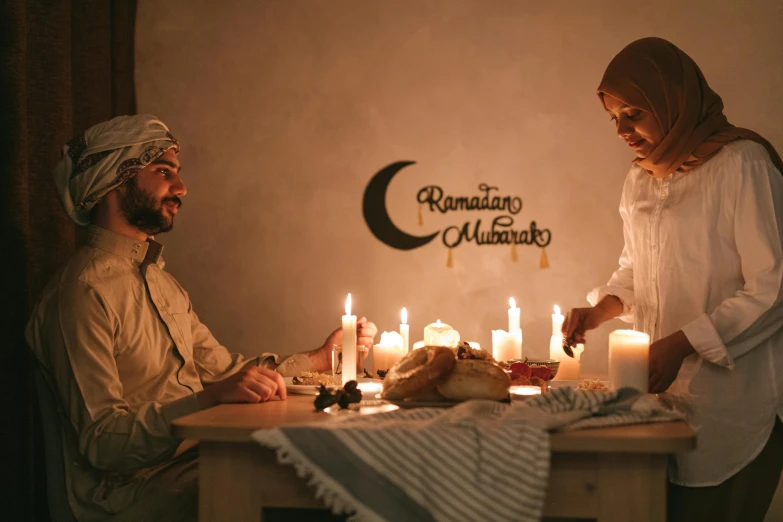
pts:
[152, 197]
[638, 128]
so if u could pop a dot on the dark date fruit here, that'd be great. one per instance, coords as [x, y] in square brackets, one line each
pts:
[348, 395]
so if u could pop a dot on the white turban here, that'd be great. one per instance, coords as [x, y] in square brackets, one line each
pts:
[106, 156]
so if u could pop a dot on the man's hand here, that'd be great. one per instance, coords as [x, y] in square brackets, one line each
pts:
[666, 356]
[365, 339]
[253, 384]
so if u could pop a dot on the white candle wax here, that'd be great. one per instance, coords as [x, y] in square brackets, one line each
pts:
[349, 343]
[556, 353]
[557, 322]
[418, 344]
[523, 390]
[405, 331]
[440, 334]
[370, 389]
[570, 368]
[474, 344]
[506, 345]
[513, 316]
[629, 353]
[387, 352]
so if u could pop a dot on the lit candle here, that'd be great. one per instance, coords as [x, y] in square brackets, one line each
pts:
[405, 331]
[629, 359]
[387, 352]
[418, 344]
[513, 316]
[349, 343]
[556, 352]
[506, 345]
[557, 322]
[523, 391]
[440, 334]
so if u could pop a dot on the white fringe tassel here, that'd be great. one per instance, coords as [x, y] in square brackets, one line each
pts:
[331, 493]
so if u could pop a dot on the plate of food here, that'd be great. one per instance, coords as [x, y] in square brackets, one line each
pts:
[308, 383]
[584, 384]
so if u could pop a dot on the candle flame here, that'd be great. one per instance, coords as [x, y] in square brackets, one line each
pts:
[348, 305]
[404, 316]
[557, 310]
[512, 303]
[438, 322]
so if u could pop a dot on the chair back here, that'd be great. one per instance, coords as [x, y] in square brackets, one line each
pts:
[59, 507]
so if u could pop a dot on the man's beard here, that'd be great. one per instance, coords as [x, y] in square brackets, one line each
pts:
[142, 211]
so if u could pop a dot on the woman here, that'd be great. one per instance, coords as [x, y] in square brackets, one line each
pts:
[701, 272]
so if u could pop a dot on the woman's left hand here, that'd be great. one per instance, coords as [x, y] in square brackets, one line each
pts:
[666, 356]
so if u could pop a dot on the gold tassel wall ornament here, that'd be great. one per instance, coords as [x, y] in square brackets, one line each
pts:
[450, 259]
[544, 261]
[514, 257]
[421, 217]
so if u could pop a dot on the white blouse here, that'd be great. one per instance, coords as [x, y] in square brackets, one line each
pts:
[703, 255]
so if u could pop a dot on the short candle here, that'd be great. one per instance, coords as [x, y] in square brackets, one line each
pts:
[440, 334]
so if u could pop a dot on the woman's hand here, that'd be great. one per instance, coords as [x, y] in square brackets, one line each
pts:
[579, 320]
[666, 356]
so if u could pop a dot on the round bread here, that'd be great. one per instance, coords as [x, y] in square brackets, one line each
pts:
[475, 379]
[428, 395]
[419, 370]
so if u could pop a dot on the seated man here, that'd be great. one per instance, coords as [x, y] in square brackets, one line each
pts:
[117, 338]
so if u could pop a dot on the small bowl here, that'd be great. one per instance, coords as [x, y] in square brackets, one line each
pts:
[552, 364]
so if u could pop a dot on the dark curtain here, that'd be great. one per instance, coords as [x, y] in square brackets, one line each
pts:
[65, 66]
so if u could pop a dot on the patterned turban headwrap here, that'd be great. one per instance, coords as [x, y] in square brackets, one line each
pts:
[106, 156]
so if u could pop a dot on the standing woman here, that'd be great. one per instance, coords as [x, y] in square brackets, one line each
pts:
[702, 273]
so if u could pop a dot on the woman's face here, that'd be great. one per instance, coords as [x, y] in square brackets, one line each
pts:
[637, 127]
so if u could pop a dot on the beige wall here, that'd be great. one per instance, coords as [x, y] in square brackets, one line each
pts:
[286, 109]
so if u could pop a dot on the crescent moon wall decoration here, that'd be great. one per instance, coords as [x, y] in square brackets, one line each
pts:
[377, 215]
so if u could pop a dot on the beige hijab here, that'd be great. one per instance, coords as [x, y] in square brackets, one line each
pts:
[654, 75]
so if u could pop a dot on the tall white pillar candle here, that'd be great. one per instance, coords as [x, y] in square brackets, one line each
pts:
[513, 316]
[405, 331]
[556, 343]
[349, 343]
[629, 353]
[557, 322]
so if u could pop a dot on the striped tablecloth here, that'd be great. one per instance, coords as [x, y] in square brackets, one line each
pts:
[477, 461]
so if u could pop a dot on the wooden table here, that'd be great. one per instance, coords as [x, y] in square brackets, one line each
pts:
[609, 474]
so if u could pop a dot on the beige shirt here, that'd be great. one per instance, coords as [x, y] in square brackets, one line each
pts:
[126, 355]
[703, 255]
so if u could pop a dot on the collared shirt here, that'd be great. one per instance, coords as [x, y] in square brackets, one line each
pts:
[703, 255]
[126, 354]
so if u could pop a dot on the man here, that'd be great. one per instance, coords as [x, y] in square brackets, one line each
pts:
[117, 338]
